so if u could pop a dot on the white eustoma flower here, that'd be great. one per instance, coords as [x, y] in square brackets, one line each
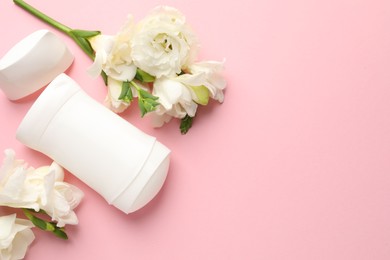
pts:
[62, 198]
[163, 44]
[113, 56]
[15, 237]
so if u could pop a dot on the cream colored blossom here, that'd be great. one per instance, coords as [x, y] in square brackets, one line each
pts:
[163, 43]
[62, 198]
[113, 54]
[42, 188]
[15, 237]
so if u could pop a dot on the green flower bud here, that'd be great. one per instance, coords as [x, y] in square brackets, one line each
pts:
[202, 95]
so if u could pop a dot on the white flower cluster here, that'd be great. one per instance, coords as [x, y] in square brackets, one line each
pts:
[163, 46]
[41, 189]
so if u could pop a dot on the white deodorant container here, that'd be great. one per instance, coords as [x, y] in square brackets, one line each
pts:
[120, 162]
[32, 63]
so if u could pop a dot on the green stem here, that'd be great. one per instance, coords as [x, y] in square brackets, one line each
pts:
[43, 224]
[81, 40]
[135, 85]
[83, 44]
[59, 26]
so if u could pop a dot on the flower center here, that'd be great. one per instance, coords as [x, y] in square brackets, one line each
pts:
[162, 41]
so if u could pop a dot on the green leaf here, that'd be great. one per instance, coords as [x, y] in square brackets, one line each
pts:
[39, 223]
[81, 38]
[85, 33]
[144, 76]
[60, 232]
[85, 45]
[147, 105]
[146, 101]
[105, 77]
[146, 94]
[43, 224]
[126, 93]
[186, 124]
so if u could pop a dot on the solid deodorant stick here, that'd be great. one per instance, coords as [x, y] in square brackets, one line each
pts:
[123, 164]
[32, 63]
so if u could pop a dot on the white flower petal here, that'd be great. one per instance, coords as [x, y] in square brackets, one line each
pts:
[14, 185]
[9, 163]
[112, 99]
[15, 237]
[58, 171]
[187, 103]
[122, 72]
[64, 198]
[158, 120]
[6, 223]
[103, 43]
[192, 79]
[21, 242]
[113, 54]
[213, 81]
[169, 91]
[13, 189]
[163, 44]
[96, 68]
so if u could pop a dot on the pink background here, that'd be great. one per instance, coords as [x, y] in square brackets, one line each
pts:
[295, 163]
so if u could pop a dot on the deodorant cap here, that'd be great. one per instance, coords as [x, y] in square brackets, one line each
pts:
[33, 63]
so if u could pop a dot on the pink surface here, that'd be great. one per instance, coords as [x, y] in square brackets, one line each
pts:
[294, 165]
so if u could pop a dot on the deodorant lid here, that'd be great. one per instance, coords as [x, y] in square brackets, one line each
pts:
[32, 63]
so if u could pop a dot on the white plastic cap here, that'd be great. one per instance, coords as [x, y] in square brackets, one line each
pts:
[32, 63]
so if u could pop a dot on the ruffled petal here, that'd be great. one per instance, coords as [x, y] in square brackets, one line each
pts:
[214, 81]
[6, 224]
[158, 120]
[96, 68]
[102, 45]
[169, 91]
[122, 72]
